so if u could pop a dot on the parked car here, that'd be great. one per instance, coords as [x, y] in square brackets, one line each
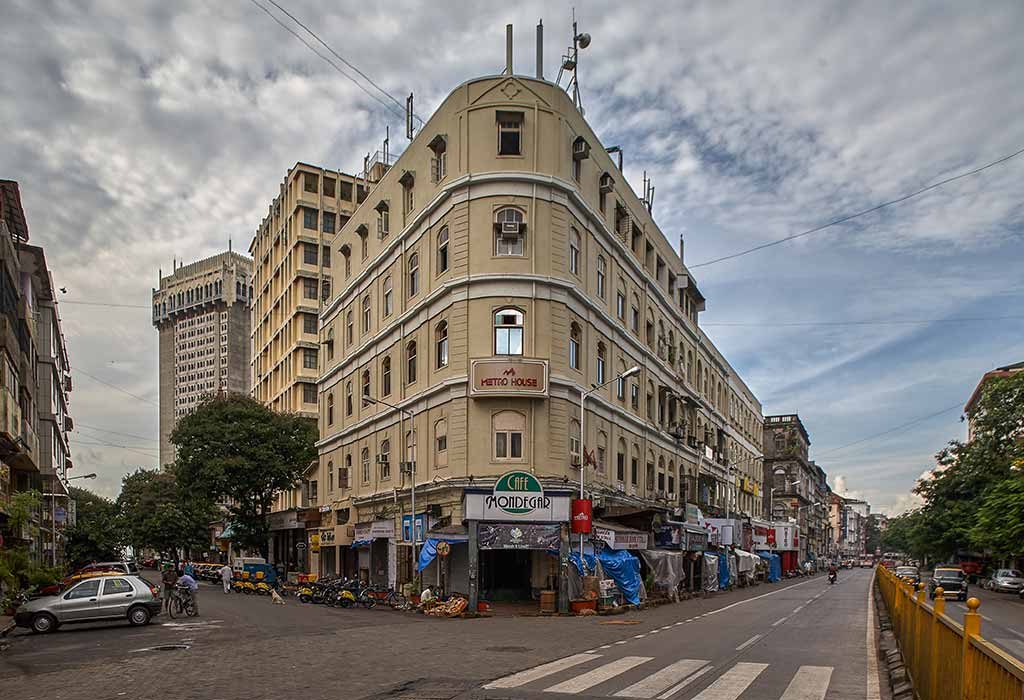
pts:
[866, 563]
[910, 572]
[953, 582]
[90, 571]
[103, 597]
[1006, 581]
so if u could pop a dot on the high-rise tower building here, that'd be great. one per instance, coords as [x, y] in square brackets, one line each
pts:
[202, 313]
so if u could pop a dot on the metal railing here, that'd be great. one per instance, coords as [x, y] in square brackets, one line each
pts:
[946, 660]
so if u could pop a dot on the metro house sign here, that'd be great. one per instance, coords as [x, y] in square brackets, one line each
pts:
[518, 493]
[494, 377]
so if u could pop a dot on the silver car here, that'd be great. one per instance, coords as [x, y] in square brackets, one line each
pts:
[1006, 581]
[95, 599]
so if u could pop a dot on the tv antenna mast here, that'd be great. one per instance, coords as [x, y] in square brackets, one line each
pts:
[571, 63]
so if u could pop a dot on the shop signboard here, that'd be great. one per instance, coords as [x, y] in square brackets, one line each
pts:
[582, 515]
[327, 536]
[696, 541]
[314, 542]
[692, 514]
[729, 531]
[618, 539]
[759, 536]
[519, 535]
[285, 520]
[421, 527]
[513, 377]
[786, 537]
[518, 496]
[376, 529]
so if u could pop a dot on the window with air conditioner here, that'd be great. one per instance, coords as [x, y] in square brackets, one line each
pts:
[509, 233]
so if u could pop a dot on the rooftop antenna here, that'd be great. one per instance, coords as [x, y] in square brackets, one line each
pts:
[571, 63]
[408, 117]
[387, 140]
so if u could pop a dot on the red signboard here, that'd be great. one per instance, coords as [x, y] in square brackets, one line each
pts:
[771, 536]
[582, 515]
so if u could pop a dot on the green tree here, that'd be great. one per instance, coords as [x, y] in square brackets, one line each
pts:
[157, 514]
[999, 526]
[97, 534]
[235, 448]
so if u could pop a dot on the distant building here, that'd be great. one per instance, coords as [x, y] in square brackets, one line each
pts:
[202, 313]
[972, 403]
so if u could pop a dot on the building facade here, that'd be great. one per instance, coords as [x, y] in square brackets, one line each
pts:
[972, 403]
[293, 271]
[201, 312]
[498, 269]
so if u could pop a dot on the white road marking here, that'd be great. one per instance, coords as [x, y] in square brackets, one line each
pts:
[750, 641]
[658, 682]
[1019, 634]
[598, 675]
[537, 672]
[621, 641]
[667, 627]
[873, 690]
[1014, 645]
[779, 621]
[809, 683]
[605, 646]
[797, 609]
[731, 684]
[683, 683]
[809, 601]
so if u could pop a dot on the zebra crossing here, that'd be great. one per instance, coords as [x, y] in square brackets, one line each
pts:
[594, 674]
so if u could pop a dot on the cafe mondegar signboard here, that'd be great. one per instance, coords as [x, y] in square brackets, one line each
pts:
[517, 496]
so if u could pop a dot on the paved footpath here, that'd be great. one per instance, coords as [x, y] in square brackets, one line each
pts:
[810, 640]
[244, 647]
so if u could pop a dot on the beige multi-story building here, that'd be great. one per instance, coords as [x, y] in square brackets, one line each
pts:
[202, 313]
[292, 277]
[498, 269]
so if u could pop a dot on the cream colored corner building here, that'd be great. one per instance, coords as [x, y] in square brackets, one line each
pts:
[499, 266]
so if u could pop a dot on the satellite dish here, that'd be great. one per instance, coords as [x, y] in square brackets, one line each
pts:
[583, 39]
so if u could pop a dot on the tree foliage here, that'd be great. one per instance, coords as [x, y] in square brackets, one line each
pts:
[96, 534]
[236, 449]
[157, 514]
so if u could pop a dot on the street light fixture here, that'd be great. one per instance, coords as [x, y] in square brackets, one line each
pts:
[83, 476]
[635, 369]
[771, 496]
[370, 401]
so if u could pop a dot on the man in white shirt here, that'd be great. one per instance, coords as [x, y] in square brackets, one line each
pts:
[225, 578]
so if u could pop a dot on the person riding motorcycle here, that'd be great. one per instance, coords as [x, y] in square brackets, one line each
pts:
[832, 572]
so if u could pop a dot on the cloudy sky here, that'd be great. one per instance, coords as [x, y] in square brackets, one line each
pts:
[149, 130]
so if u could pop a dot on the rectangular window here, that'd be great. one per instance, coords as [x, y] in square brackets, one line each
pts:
[329, 187]
[309, 288]
[327, 254]
[508, 444]
[310, 182]
[510, 129]
[309, 323]
[309, 253]
[345, 191]
[309, 358]
[309, 217]
[634, 396]
[309, 393]
[634, 469]
[620, 306]
[328, 222]
[620, 467]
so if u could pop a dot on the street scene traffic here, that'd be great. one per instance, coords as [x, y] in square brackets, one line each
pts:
[428, 351]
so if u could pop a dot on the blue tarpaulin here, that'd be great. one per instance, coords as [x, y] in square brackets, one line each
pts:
[623, 568]
[429, 550]
[723, 571]
[588, 559]
[774, 566]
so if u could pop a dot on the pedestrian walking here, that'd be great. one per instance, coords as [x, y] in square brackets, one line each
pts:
[225, 578]
[169, 579]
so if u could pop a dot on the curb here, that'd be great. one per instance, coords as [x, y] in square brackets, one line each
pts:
[900, 686]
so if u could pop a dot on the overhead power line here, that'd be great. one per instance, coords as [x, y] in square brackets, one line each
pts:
[79, 424]
[850, 217]
[906, 322]
[326, 59]
[100, 303]
[114, 386]
[958, 406]
[341, 58]
[101, 443]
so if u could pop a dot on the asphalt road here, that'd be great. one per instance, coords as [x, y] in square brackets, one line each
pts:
[796, 637]
[1002, 618]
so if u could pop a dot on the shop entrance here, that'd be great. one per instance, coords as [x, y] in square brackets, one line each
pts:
[505, 575]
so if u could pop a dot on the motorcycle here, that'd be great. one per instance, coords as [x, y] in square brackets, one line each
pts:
[832, 577]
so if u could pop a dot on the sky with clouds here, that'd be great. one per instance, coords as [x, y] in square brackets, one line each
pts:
[149, 130]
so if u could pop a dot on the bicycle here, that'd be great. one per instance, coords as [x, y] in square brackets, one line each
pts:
[182, 604]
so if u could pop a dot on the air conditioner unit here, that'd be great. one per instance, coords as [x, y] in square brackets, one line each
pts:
[510, 228]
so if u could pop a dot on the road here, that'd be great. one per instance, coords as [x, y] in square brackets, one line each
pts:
[787, 640]
[1002, 618]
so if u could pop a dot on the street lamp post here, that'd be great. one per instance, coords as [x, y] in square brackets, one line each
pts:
[583, 417]
[771, 497]
[403, 412]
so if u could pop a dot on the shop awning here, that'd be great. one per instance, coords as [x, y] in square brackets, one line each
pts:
[619, 536]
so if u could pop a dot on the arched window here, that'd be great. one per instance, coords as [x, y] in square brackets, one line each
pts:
[634, 465]
[508, 332]
[364, 461]
[661, 474]
[348, 398]
[410, 362]
[385, 377]
[385, 459]
[620, 383]
[601, 358]
[650, 401]
[441, 443]
[364, 236]
[366, 382]
[349, 328]
[366, 315]
[330, 409]
[509, 428]
[574, 443]
[575, 335]
[442, 250]
[671, 479]
[620, 301]
[574, 252]
[414, 274]
[671, 349]
[441, 344]
[389, 297]
[346, 253]
[649, 327]
[620, 461]
[509, 233]
[634, 315]
[346, 473]
[330, 476]
[602, 451]
[602, 275]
